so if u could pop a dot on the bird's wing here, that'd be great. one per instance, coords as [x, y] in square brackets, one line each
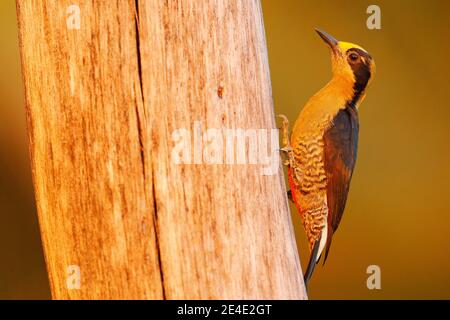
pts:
[340, 150]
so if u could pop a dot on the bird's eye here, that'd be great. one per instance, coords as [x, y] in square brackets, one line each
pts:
[353, 57]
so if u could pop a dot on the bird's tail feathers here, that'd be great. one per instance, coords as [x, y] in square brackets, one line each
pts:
[312, 263]
[327, 249]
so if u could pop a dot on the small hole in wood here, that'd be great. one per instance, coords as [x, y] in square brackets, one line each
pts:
[220, 92]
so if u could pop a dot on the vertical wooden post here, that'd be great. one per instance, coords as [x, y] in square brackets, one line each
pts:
[103, 103]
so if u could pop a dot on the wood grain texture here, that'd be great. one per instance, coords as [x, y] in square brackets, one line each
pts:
[102, 104]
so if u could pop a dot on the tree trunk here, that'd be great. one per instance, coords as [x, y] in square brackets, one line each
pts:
[106, 100]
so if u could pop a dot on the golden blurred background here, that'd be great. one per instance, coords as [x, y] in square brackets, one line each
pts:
[398, 212]
[22, 267]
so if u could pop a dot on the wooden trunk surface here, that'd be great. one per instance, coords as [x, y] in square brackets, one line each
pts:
[103, 102]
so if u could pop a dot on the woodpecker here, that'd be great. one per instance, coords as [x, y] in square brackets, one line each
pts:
[322, 148]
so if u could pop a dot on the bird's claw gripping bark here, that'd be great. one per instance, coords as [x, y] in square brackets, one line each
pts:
[287, 151]
[284, 131]
[286, 144]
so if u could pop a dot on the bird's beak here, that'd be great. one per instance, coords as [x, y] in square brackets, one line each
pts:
[332, 42]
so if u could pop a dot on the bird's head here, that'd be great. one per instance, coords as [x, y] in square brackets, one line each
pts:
[350, 63]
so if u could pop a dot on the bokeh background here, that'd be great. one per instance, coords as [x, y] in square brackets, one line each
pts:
[398, 212]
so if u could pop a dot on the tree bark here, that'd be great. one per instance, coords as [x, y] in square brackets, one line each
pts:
[103, 103]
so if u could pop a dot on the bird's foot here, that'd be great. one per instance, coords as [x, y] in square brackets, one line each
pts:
[284, 132]
[287, 151]
[285, 141]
